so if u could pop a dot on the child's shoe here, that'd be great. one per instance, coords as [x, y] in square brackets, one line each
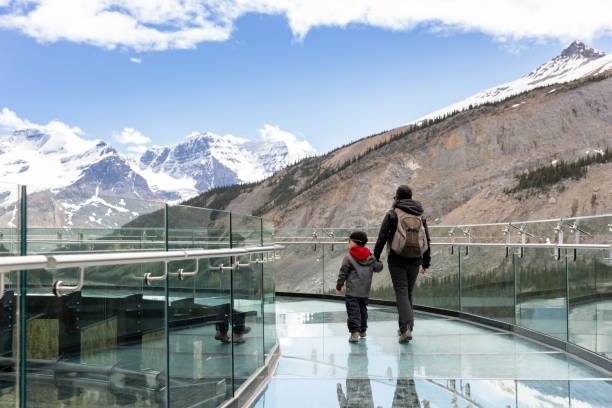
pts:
[354, 337]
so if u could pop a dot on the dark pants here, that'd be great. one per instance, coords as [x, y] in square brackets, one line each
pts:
[357, 311]
[223, 318]
[403, 277]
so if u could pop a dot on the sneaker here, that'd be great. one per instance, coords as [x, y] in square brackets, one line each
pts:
[246, 329]
[362, 334]
[406, 336]
[354, 337]
[237, 338]
[222, 337]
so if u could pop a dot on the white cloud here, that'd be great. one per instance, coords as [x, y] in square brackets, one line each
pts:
[297, 149]
[10, 122]
[131, 136]
[175, 24]
[136, 60]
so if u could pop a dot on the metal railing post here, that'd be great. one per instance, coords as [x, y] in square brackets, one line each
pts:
[22, 310]
[167, 306]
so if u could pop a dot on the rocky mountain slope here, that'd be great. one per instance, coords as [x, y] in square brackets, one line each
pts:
[460, 164]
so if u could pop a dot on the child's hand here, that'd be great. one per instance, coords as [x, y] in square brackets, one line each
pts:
[338, 291]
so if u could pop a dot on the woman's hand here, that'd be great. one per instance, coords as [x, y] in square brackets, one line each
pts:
[424, 270]
[338, 292]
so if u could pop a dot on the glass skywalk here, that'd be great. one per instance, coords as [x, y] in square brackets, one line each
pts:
[449, 363]
[152, 332]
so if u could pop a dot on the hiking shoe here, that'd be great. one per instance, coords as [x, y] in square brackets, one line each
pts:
[237, 338]
[222, 337]
[354, 337]
[406, 336]
[362, 334]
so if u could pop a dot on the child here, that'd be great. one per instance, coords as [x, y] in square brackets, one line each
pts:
[356, 271]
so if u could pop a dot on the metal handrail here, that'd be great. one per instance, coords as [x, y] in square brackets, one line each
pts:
[82, 261]
[481, 244]
[14, 263]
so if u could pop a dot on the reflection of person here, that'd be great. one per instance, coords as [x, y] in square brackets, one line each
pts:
[238, 327]
[405, 395]
[405, 269]
[358, 390]
[356, 270]
[245, 286]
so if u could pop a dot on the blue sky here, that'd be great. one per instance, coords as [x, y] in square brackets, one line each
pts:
[335, 85]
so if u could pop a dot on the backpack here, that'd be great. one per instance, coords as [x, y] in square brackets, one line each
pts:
[410, 239]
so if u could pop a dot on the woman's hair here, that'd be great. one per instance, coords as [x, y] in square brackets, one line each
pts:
[403, 192]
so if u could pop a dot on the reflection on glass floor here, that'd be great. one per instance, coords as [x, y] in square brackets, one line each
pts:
[449, 363]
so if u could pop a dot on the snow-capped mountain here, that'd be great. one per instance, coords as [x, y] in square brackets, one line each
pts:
[73, 181]
[50, 159]
[575, 62]
[204, 160]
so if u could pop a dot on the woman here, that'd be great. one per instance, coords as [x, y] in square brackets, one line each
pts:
[404, 270]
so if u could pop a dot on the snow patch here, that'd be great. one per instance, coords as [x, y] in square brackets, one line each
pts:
[559, 70]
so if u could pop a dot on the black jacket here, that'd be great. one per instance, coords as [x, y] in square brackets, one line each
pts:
[387, 231]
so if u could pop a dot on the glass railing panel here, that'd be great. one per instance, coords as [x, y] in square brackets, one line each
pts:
[487, 282]
[588, 230]
[76, 221]
[200, 352]
[247, 287]
[9, 295]
[110, 334]
[440, 286]
[443, 233]
[535, 232]
[541, 302]
[382, 286]
[590, 300]
[300, 269]
[332, 256]
[269, 310]
[482, 233]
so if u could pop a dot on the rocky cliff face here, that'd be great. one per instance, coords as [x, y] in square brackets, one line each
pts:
[458, 167]
[459, 164]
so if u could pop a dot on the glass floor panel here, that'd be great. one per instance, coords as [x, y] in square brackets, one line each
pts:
[449, 363]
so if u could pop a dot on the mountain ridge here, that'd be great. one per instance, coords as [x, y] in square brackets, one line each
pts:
[260, 200]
